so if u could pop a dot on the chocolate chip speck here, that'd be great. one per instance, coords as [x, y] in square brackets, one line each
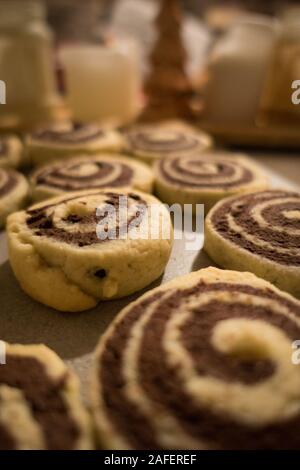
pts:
[100, 273]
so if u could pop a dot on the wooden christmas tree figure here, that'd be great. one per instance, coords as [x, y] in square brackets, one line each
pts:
[168, 88]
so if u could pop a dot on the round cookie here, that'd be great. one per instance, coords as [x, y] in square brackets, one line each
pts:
[11, 150]
[40, 402]
[259, 232]
[72, 251]
[87, 172]
[13, 193]
[151, 143]
[202, 362]
[66, 141]
[206, 178]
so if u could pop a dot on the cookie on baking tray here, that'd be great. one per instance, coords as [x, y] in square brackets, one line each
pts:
[202, 362]
[205, 178]
[153, 142]
[87, 172]
[13, 193]
[72, 251]
[259, 232]
[11, 150]
[40, 405]
[64, 141]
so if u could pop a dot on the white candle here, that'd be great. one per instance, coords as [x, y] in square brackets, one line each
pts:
[102, 83]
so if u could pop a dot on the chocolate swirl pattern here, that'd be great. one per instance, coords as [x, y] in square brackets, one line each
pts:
[70, 140]
[8, 181]
[84, 227]
[74, 134]
[13, 192]
[194, 365]
[206, 178]
[40, 404]
[152, 142]
[92, 245]
[259, 232]
[89, 172]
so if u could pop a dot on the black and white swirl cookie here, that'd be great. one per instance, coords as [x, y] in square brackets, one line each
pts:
[11, 150]
[87, 172]
[40, 406]
[13, 193]
[68, 140]
[72, 251]
[259, 232]
[151, 143]
[203, 362]
[206, 178]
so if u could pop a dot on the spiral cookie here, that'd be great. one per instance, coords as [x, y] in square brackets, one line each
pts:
[203, 362]
[40, 404]
[13, 193]
[72, 251]
[90, 171]
[206, 178]
[151, 143]
[10, 152]
[49, 144]
[259, 232]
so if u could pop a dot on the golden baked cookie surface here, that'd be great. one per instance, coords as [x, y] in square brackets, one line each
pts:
[206, 177]
[72, 251]
[87, 172]
[194, 365]
[259, 232]
[40, 402]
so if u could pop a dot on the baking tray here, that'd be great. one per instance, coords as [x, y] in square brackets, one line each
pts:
[272, 137]
[74, 335]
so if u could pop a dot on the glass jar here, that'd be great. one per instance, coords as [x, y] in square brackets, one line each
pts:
[277, 103]
[26, 64]
[237, 69]
[102, 83]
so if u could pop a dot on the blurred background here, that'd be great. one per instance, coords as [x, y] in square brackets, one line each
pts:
[229, 66]
[77, 19]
